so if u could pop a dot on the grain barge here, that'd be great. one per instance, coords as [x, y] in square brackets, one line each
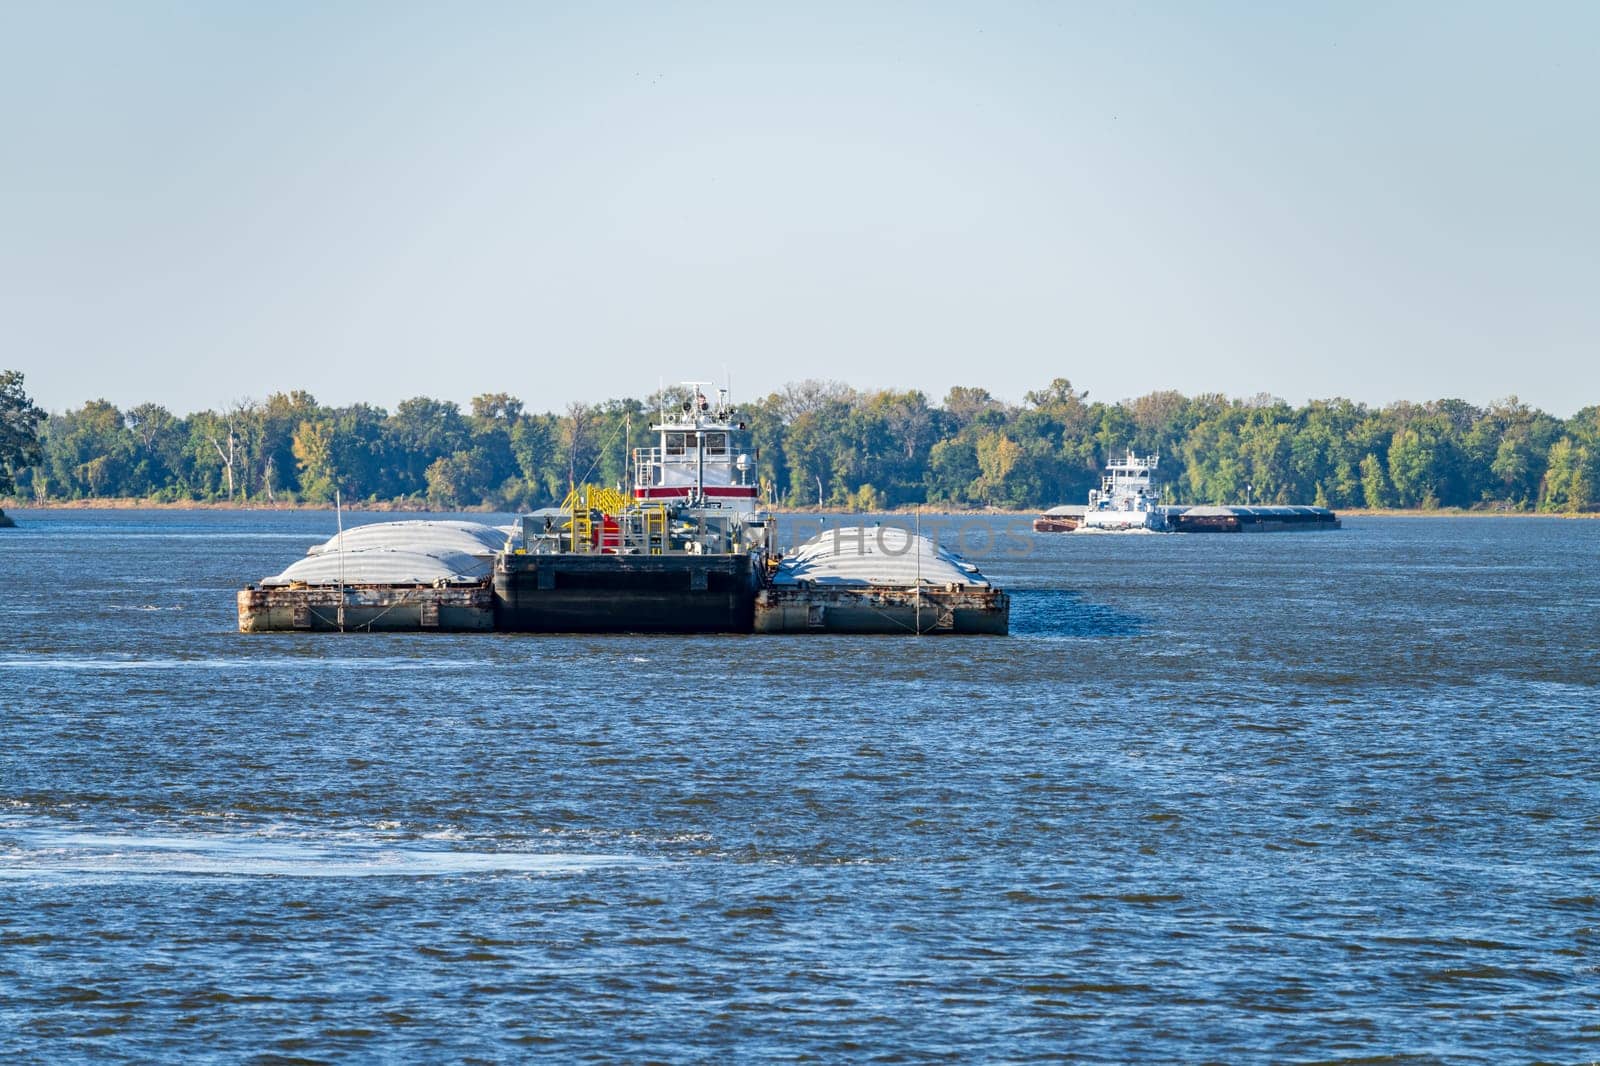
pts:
[1251, 519]
[882, 579]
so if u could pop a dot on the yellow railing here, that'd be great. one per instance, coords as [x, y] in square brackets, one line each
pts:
[583, 503]
[596, 498]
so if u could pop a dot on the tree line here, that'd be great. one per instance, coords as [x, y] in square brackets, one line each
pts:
[817, 442]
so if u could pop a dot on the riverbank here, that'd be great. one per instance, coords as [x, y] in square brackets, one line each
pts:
[419, 507]
[121, 503]
[1458, 512]
[124, 503]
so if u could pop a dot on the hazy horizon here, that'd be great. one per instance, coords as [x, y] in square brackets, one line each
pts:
[377, 202]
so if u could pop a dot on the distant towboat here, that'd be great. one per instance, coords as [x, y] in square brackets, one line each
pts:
[1128, 500]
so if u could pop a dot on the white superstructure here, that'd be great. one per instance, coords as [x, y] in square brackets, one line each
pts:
[700, 456]
[1126, 499]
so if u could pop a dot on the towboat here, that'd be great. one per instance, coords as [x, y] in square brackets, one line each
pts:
[1127, 498]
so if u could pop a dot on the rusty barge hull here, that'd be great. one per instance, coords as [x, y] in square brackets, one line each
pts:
[966, 611]
[367, 609]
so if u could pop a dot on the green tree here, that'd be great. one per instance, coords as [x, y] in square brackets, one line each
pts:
[968, 405]
[493, 422]
[1375, 489]
[953, 471]
[1513, 461]
[997, 457]
[344, 449]
[158, 440]
[1214, 471]
[312, 446]
[19, 430]
[456, 480]
[1411, 458]
[87, 451]
[1570, 477]
[278, 421]
[420, 431]
[533, 444]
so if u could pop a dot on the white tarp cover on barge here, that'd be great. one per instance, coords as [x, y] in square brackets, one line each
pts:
[469, 538]
[385, 566]
[411, 552]
[877, 557]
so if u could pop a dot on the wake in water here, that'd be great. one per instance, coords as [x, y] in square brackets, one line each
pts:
[52, 854]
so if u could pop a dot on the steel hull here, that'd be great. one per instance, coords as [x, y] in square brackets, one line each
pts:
[572, 593]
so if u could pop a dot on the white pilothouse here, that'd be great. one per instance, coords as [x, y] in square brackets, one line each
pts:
[1127, 499]
[699, 458]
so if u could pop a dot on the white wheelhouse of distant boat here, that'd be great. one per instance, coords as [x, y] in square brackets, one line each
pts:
[1127, 498]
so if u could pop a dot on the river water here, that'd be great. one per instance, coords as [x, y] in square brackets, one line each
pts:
[1237, 798]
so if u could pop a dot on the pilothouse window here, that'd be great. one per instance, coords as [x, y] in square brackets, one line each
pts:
[674, 443]
[716, 444]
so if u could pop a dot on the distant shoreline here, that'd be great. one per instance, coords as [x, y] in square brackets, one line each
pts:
[408, 507]
[127, 503]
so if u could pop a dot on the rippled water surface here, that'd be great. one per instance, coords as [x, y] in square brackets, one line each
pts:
[1289, 798]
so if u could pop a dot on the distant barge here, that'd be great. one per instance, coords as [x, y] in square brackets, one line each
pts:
[1068, 519]
[1128, 500]
[1251, 519]
[687, 552]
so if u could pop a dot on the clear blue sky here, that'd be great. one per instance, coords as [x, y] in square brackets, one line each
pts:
[207, 201]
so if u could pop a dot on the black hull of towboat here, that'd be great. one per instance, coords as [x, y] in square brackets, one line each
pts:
[625, 593]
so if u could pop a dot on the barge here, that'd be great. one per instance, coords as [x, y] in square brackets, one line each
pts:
[1252, 519]
[880, 580]
[1063, 519]
[387, 576]
[371, 608]
[690, 550]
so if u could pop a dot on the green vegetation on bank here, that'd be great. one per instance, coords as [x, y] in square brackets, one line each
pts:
[864, 450]
[19, 430]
